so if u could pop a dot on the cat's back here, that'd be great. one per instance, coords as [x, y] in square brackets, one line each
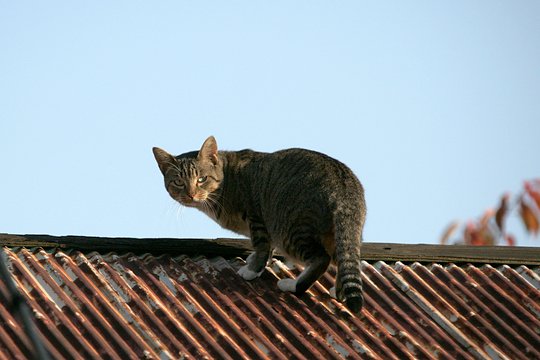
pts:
[309, 165]
[299, 172]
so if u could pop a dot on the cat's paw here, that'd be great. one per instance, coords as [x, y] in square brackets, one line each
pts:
[248, 274]
[332, 292]
[287, 285]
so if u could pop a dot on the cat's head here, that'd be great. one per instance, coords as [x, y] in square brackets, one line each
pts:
[191, 178]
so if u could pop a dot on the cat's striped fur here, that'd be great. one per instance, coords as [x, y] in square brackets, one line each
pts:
[304, 203]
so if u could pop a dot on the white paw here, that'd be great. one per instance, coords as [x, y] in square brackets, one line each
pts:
[287, 285]
[332, 292]
[248, 274]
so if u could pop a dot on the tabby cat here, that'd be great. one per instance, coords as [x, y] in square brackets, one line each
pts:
[303, 203]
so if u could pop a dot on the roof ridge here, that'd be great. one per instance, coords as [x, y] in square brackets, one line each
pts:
[230, 247]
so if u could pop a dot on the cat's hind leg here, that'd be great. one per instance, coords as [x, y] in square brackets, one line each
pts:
[315, 267]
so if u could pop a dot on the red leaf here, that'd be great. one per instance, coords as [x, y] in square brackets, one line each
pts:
[500, 214]
[487, 237]
[472, 234]
[529, 219]
[533, 193]
[510, 240]
[450, 229]
[484, 220]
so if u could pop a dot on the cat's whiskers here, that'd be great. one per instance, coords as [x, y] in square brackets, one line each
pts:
[213, 199]
[208, 208]
[179, 209]
[208, 205]
[174, 213]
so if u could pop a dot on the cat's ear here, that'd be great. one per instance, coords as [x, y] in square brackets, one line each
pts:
[209, 150]
[164, 159]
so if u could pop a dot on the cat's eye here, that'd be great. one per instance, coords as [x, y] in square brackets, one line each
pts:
[178, 184]
[202, 179]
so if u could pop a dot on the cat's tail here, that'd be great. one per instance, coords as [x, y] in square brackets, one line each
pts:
[348, 225]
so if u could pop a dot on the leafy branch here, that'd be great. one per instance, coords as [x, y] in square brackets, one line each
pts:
[490, 228]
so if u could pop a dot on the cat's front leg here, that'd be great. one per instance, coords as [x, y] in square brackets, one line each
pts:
[246, 271]
[256, 261]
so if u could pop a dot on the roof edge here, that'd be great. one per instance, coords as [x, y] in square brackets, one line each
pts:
[230, 247]
[157, 246]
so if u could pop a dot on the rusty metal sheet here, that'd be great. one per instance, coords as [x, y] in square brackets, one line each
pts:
[124, 306]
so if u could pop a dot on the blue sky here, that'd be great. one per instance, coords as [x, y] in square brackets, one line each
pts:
[435, 106]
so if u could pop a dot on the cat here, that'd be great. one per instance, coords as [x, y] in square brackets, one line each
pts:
[306, 204]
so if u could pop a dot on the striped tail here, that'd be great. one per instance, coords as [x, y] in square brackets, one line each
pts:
[348, 237]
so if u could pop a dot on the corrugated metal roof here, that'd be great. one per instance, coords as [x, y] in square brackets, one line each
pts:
[92, 305]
